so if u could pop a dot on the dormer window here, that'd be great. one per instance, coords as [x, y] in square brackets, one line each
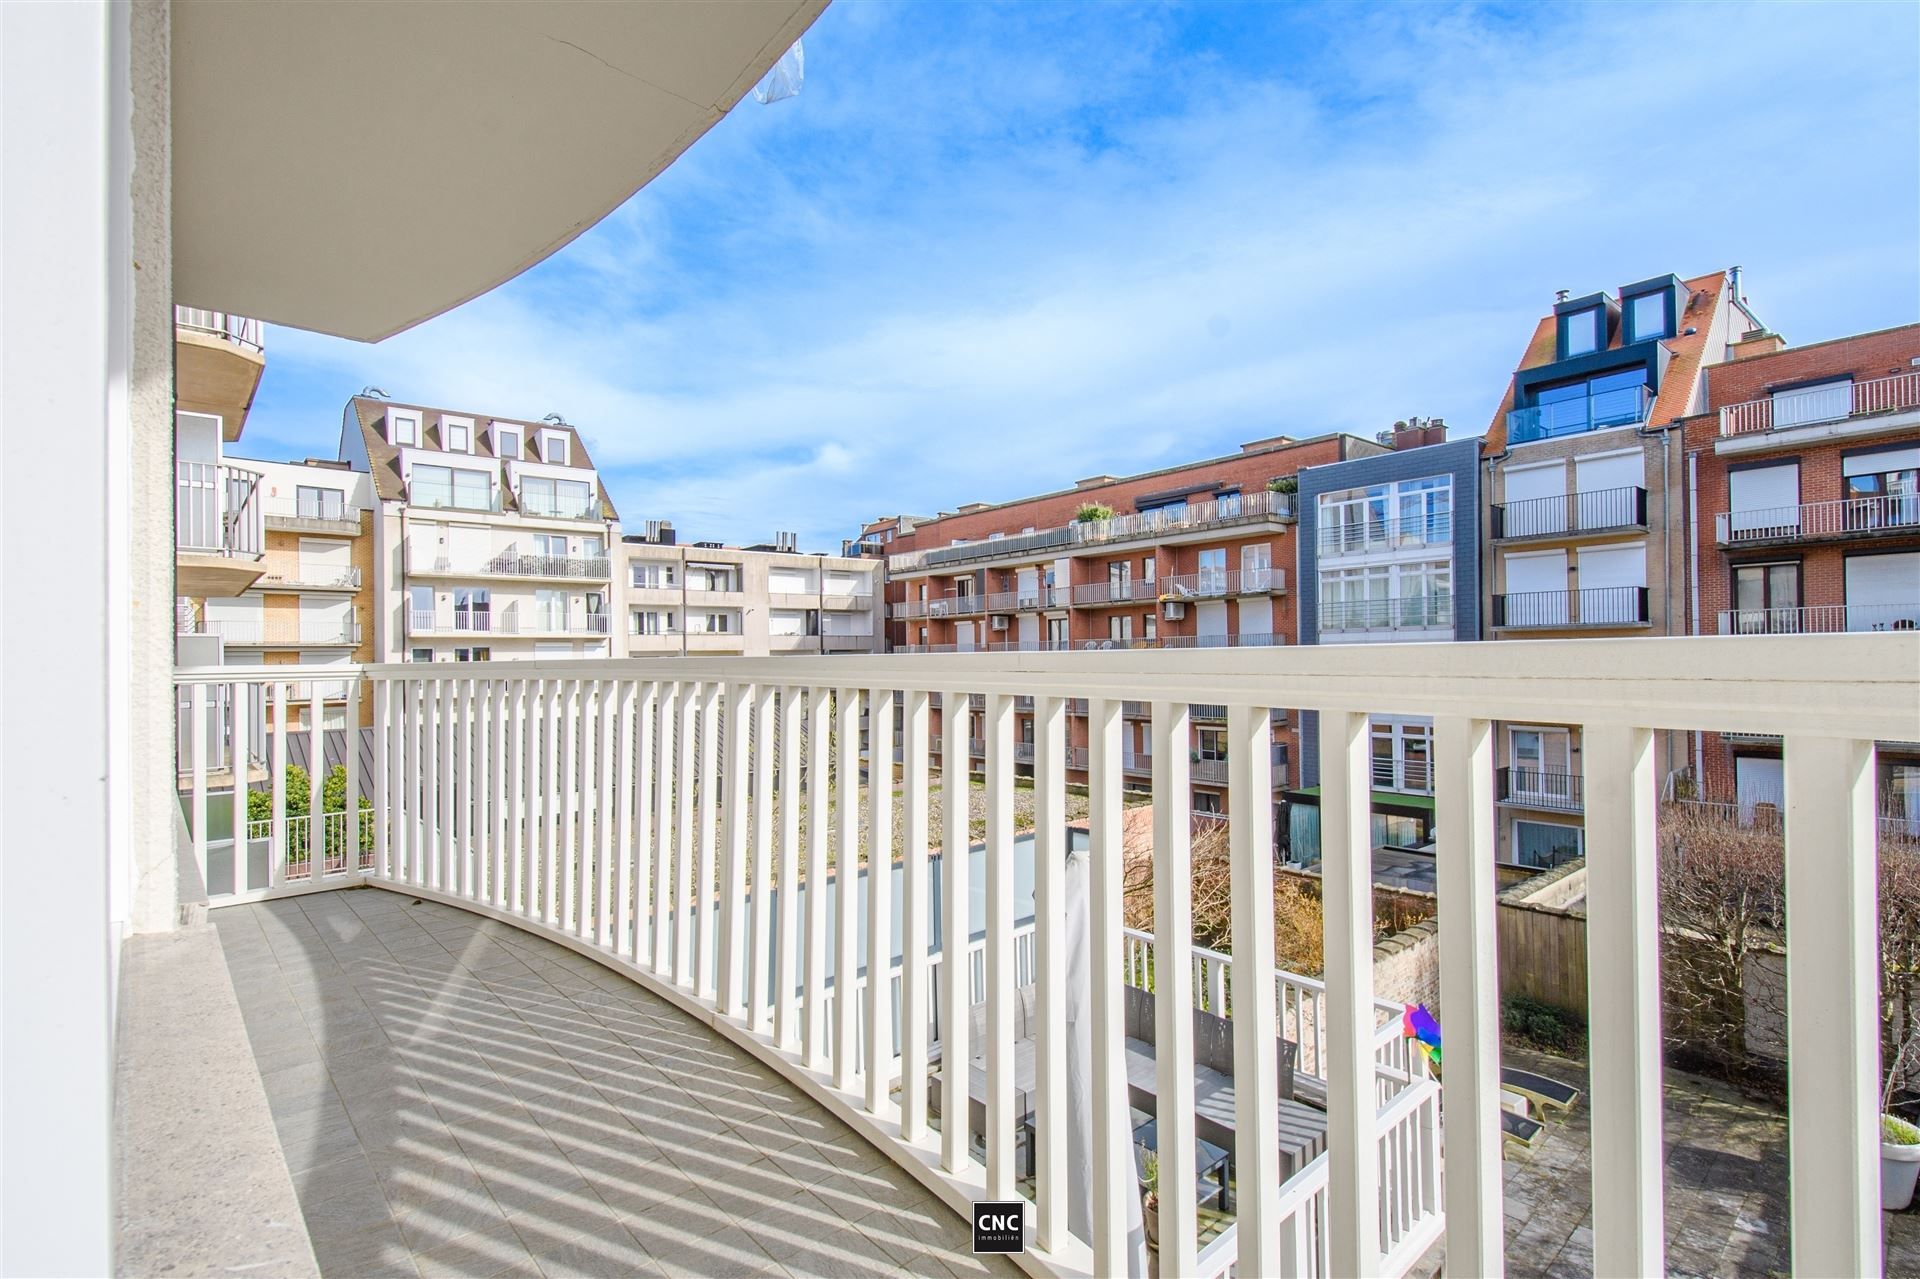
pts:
[403, 428]
[507, 441]
[456, 434]
[1647, 317]
[555, 448]
[1580, 331]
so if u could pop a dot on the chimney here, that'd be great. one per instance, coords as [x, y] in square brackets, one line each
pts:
[1756, 342]
[1415, 433]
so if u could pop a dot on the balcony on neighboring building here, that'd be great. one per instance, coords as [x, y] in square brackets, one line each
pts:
[1600, 410]
[277, 629]
[309, 574]
[218, 362]
[1413, 613]
[1842, 519]
[1571, 514]
[1597, 606]
[1406, 775]
[1373, 536]
[559, 506]
[1819, 619]
[1837, 409]
[1124, 591]
[1223, 583]
[512, 620]
[1534, 788]
[453, 496]
[424, 560]
[312, 513]
[219, 532]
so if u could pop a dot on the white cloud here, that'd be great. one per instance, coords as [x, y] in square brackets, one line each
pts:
[982, 257]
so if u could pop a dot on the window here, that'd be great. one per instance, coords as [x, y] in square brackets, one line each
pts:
[472, 609]
[1588, 404]
[652, 575]
[1883, 488]
[1647, 317]
[649, 622]
[1541, 767]
[420, 655]
[1402, 755]
[1763, 501]
[566, 499]
[1211, 745]
[1206, 803]
[472, 654]
[1056, 631]
[1149, 627]
[403, 428]
[1146, 569]
[550, 609]
[1546, 845]
[1120, 628]
[1766, 599]
[1900, 797]
[1227, 505]
[420, 607]
[1256, 567]
[1212, 577]
[715, 624]
[450, 487]
[1580, 332]
[458, 435]
[1883, 592]
[311, 503]
[507, 442]
[550, 545]
[1120, 580]
[556, 448]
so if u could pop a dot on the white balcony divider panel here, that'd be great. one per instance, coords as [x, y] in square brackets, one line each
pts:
[1623, 996]
[1372, 1202]
[1833, 942]
[1470, 994]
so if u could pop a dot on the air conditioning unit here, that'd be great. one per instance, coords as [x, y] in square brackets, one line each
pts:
[999, 623]
[1173, 610]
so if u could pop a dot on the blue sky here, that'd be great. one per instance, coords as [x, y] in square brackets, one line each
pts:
[991, 249]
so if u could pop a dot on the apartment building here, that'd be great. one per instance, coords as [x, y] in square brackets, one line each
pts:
[1388, 553]
[1805, 463]
[315, 588]
[1587, 507]
[1198, 555]
[750, 600]
[219, 535]
[491, 539]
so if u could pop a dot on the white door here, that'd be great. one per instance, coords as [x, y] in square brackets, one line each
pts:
[1611, 582]
[1606, 485]
[1883, 592]
[1764, 499]
[1537, 589]
[1256, 569]
[1536, 500]
[1542, 765]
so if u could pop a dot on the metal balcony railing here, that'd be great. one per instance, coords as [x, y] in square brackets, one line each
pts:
[562, 506]
[1811, 521]
[330, 509]
[1221, 583]
[1122, 592]
[453, 497]
[1820, 619]
[855, 1021]
[316, 575]
[1594, 606]
[1411, 776]
[1410, 613]
[1624, 406]
[1390, 533]
[1597, 511]
[281, 632]
[1533, 788]
[238, 329]
[1832, 402]
[217, 510]
[1252, 639]
[591, 568]
[511, 620]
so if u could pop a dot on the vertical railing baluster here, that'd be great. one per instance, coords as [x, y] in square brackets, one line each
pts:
[666, 759]
[527, 788]
[1347, 888]
[573, 764]
[1833, 1024]
[316, 778]
[645, 769]
[998, 726]
[683, 784]
[786, 1003]
[733, 890]
[760, 934]
[277, 760]
[1256, 1033]
[1050, 970]
[197, 768]
[237, 702]
[1173, 998]
[1623, 946]
[707, 794]
[1469, 993]
[914, 921]
[445, 728]
[460, 717]
[819, 793]
[350, 741]
[605, 841]
[1114, 1186]
[551, 803]
[880, 704]
[956, 938]
[500, 821]
[620, 785]
[513, 734]
[846, 855]
[381, 690]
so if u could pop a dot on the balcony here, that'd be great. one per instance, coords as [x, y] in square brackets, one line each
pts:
[1820, 619]
[1224, 583]
[219, 534]
[304, 513]
[1845, 519]
[1837, 409]
[451, 497]
[1532, 788]
[1407, 776]
[1623, 406]
[521, 842]
[1250, 639]
[218, 361]
[1126, 591]
[511, 621]
[1035, 599]
[559, 506]
[312, 575]
[1391, 533]
[278, 630]
[1410, 613]
[1555, 610]
[1170, 523]
[1571, 514]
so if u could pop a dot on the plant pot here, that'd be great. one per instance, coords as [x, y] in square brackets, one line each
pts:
[1899, 1168]
[1150, 1217]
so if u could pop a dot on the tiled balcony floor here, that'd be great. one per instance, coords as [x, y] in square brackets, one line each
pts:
[456, 1097]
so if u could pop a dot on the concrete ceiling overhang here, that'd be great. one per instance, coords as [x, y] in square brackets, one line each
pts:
[356, 169]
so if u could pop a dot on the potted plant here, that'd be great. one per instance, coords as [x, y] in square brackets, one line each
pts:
[1284, 484]
[1093, 513]
[1150, 1197]
[1899, 1162]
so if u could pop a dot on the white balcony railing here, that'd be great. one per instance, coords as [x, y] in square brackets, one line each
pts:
[511, 792]
[1390, 533]
[303, 506]
[1222, 582]
[1832, 402]
[217, 510]
[282, 631]
[317, 575]
[1807, 521]
[237, 329]
[511, 620]
[1820, 619]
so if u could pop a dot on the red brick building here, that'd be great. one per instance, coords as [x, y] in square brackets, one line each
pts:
[1805, 475]
[1200, 555]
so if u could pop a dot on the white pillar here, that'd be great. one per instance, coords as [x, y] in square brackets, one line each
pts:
[1173, 985]
[1353, 1164]
[1833, 1028]
[1050, 970]
[1469, 996]
[1623, 1000]
[999, 956]
[1113, 1174]
[1255, 1018]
